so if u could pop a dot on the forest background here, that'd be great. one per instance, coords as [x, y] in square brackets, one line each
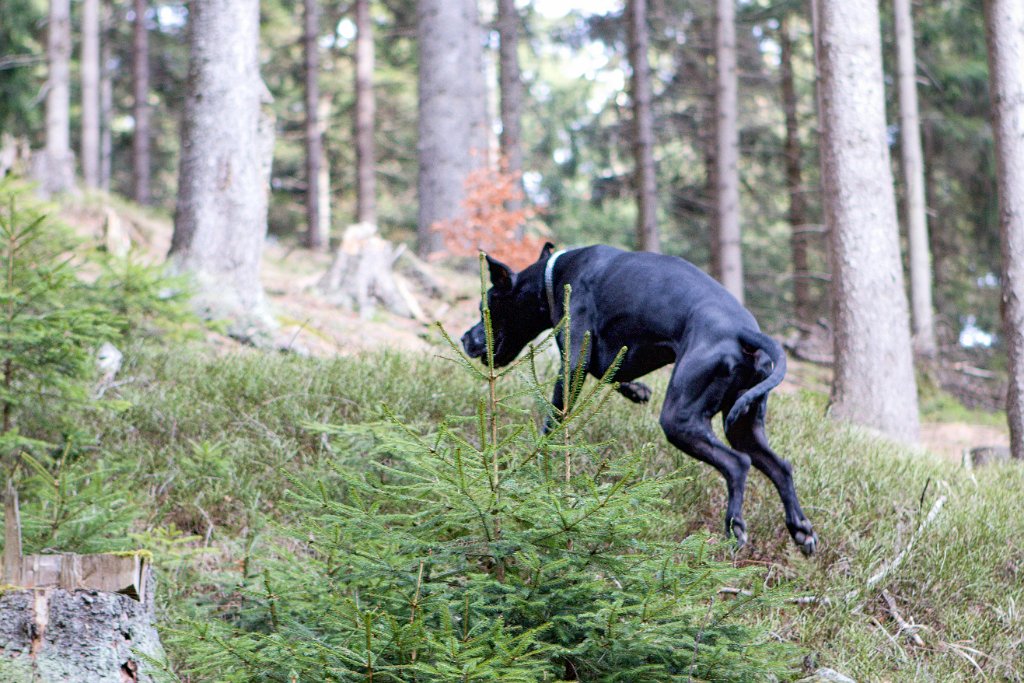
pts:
[213, 509]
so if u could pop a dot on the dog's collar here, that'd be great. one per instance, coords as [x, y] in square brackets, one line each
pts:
[549, 283]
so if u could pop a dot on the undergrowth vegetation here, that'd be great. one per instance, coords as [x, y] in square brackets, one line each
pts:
[303, 531]
[210, 443]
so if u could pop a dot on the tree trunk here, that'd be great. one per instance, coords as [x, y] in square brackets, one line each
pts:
[366, 181]
[106, 105]
[874, 381]
[510, 85]
[90, 70]
[647, 237]
[803, 307]
[923, 315]
[474, 73]
[729, 262]
[141, 111]
[1004, 24]
[315, 238]
[448, 113]
[226, 150]
[54, 167]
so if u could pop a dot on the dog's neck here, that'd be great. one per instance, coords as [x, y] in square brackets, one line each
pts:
[549, 284]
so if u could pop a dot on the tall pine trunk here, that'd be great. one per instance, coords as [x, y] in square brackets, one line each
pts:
[728, 262]
[316, 235]
[90, 71]
[366, 181]
[874, 381]
[647, 237]
[1004, 24]
[803, 307]
[923, 315]
[475, 74]
[140, 108]
[450, 109]
[510, 86]
[226, 148]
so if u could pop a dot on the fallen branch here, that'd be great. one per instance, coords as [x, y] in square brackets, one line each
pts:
[898, 560]
[905, 627]
[799, 600]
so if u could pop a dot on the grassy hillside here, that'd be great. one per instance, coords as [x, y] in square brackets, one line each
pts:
[203, 446]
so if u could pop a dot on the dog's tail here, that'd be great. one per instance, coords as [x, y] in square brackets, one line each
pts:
[773, 350]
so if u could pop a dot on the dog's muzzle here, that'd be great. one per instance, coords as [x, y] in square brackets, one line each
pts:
[474, 341]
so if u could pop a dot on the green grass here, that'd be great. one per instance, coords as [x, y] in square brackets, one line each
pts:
[209, 441]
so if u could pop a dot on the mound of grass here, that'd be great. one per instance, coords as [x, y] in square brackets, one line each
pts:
[210, 441]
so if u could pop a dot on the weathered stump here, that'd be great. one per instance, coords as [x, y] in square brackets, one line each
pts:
[362, 275]
[51, 635]
[73, 618]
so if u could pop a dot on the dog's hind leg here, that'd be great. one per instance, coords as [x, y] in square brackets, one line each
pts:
[693, 396]
[748, 435]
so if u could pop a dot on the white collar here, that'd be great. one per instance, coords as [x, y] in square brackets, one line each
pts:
[549, 284]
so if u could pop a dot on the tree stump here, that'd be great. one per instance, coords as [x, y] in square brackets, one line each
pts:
[74, 618]
[363, 276]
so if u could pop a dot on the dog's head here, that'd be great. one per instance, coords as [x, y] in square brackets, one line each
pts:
[517, 313]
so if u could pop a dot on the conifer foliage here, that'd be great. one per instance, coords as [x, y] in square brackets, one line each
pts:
[484, 549]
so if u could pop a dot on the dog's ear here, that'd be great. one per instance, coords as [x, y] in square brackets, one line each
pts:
[546, 251]
[501, 275]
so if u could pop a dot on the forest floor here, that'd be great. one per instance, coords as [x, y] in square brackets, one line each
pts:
[310, 325]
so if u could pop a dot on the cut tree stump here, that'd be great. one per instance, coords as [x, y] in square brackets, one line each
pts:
[363, 275]
[74, 618]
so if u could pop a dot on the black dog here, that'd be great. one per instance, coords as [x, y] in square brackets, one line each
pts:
[664, 310]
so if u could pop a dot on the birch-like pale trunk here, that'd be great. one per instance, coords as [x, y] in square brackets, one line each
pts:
[366, 181]
[874, 382]
[1004, 25]
[922, 311]
[226, 148]
[729, 258]
[54, 166]
[647, 236]
[90, 76]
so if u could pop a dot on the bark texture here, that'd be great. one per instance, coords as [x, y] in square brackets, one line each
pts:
[366, 181]
[647, 236]
[316, 232]
[1004, 25]
[226, 151]
[729, 261]
[140, 108]
[90, 71]
[450, 110]
[916, 220]
[78, 636]
[54, 166]
[510, 86]
[874, 381]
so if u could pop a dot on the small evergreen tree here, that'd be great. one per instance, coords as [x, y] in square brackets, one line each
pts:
[486, 549]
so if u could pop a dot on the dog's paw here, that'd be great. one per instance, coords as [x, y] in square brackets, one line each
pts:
[804, 536]
[637, 392]
[736, 528]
